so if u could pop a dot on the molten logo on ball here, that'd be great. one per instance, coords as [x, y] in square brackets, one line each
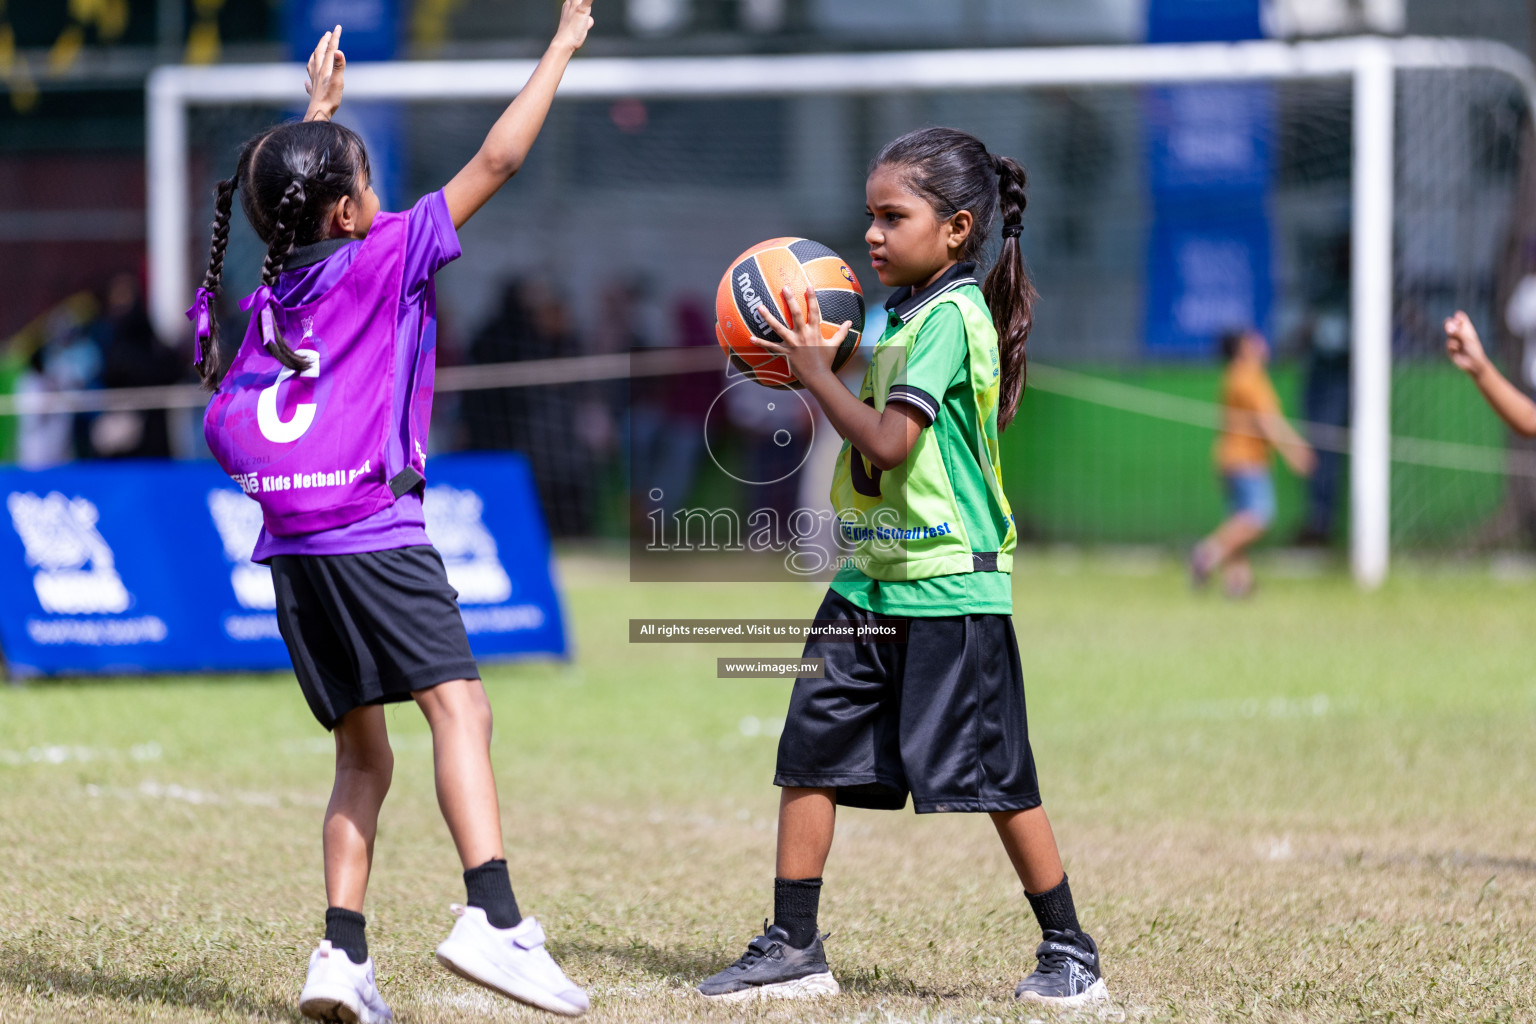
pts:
[758, 277]
[753, 300]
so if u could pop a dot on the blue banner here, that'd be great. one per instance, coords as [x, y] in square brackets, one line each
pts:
[1210, 165]
[1205, 139]
[1208, 271]
[133, 567]
[1194, 21]
[370, 29]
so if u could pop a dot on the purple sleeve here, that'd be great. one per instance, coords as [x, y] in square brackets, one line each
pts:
[431, 242]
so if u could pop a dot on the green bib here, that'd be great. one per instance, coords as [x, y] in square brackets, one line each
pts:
[905, 523]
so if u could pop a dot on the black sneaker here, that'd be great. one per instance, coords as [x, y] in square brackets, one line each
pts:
[1068, 974]
[773, 969]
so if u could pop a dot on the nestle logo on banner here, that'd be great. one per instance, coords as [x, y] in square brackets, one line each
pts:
[457, 529]
[99, 585]
[456, 524]
[75, 572]
[238, 520]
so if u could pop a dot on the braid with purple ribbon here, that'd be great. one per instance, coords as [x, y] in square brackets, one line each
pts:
[205, 326]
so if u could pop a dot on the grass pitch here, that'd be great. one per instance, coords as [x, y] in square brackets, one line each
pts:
[1313, 806]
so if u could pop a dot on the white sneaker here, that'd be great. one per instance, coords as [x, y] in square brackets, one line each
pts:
[339, 990]
[511, 961]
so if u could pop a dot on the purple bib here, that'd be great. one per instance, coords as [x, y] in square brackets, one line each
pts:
[312, 446]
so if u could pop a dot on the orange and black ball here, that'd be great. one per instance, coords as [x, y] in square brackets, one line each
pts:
[759, 277]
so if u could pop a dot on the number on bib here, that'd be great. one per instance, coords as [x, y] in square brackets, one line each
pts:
[280, 431]
[866, 481]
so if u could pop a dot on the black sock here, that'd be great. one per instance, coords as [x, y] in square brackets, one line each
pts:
[490, 889]
[345, 930]
[794, 908]
[1053, 908]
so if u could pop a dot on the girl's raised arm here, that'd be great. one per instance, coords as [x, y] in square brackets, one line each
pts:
[1466, 350]
[326, 67]
[507, 144]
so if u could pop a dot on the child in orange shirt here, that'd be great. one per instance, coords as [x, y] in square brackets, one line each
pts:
[1252, 426]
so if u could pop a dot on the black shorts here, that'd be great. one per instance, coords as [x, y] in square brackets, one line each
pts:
[369, 628]
[941, 717]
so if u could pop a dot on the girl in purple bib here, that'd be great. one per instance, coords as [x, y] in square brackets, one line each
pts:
[321, 417]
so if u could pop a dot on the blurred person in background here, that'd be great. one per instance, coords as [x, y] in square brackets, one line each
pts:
[618, 329]
[42, 438]
[447, 406]
[558, 446]
[600, 404]
[492, 419]
[1325, 396]
[1325, 404]
[133, 357]
[541, 422]
[775, 426]
[1252, 426]
[667, 418]
[65, 357]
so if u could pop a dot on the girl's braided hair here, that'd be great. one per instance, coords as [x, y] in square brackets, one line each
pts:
[952, 171]
[289, 179]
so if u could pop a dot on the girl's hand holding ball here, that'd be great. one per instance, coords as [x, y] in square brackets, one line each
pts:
[802, 343]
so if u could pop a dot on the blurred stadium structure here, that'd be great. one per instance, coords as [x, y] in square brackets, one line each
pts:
[1161, 213]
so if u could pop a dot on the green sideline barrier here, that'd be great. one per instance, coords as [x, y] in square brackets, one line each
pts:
[10, 369]
[1082, 472]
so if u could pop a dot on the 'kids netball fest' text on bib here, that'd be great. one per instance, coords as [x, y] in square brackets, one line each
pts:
[312, 446]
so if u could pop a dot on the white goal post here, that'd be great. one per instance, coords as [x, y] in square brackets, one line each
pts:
[1370, 63]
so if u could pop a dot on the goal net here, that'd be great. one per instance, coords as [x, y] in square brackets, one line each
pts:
[1174, 193]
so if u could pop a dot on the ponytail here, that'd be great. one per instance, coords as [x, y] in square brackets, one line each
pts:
[289, 177]
[952, 171]
[210, 367]
[284, 227]
[1009, 292]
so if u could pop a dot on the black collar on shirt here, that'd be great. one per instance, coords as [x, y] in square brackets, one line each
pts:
[309, 255]
[905, 302]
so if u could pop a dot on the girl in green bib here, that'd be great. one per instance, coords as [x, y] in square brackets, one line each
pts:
[934, 709]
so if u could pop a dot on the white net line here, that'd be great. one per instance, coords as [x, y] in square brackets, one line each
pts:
[1056, 380]
[449, 380]
[1418, 451]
